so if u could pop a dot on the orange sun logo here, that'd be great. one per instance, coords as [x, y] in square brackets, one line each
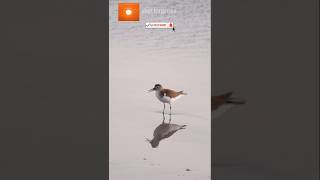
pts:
[128, 12]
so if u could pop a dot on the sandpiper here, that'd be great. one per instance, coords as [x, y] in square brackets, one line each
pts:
[166, 95]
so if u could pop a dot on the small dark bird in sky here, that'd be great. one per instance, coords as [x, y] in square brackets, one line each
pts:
[223, 99]
[222, 103]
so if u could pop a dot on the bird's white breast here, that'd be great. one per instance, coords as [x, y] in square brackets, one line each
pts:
[164, 99]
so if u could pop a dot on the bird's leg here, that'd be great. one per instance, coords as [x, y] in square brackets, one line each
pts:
[170, 119]
[170, 109]
[164, 107]
[163, 118]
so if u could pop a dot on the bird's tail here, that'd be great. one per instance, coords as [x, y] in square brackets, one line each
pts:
[183, 126]
[181, 92]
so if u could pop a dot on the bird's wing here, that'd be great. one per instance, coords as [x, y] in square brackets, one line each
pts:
[170, 93]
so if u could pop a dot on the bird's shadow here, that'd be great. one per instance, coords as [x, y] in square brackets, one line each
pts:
[163, 131]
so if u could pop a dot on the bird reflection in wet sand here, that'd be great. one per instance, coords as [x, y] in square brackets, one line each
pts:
[164, 130]
[222, 103]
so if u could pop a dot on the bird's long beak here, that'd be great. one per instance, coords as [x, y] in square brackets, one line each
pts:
[150, 90]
